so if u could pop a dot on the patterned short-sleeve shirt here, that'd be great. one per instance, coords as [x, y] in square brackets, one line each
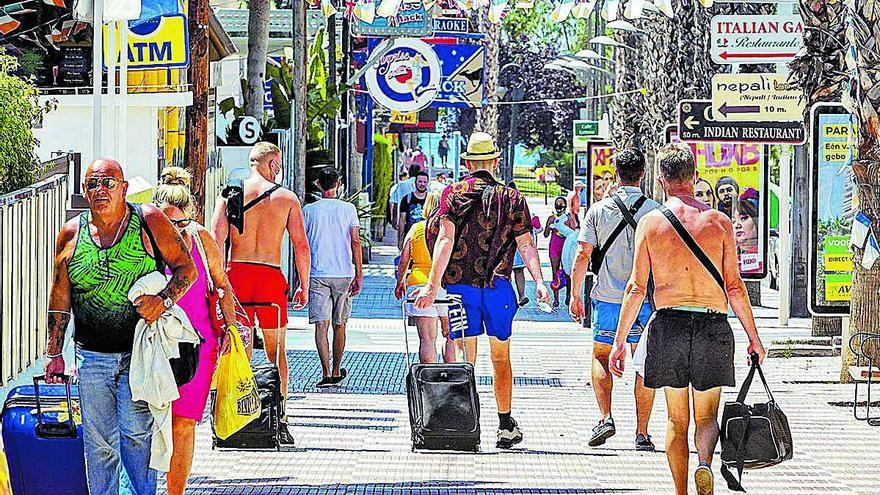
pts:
[488, 217]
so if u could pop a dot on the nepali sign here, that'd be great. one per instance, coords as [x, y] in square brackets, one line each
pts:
[756, 97]
[756, 39]
[162, 42]
[696, 122]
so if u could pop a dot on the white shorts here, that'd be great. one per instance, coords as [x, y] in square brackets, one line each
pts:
[437, 310]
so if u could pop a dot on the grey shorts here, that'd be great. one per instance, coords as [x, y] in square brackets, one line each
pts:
[688, 348]
[329, 300]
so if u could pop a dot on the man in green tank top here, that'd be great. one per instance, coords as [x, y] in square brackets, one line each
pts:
[98, 257]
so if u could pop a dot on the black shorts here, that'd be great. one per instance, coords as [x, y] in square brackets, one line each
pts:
[689, 348]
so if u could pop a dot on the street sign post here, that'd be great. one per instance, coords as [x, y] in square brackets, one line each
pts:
[696, 122]
[756, 97]
[584, 131]
[755, 39]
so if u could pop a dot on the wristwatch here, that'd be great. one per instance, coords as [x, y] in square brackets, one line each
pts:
[166, 301]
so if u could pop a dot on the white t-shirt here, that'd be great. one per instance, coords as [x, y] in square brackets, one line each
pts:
[404, 188]
[328, 224]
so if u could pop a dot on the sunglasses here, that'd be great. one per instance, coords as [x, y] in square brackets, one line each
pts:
[109, 183]
[182, 223]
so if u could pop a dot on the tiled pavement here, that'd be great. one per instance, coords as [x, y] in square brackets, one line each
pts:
[355, 439]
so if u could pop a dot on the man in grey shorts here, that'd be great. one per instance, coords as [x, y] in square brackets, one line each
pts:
[333, 229]
[691, 252]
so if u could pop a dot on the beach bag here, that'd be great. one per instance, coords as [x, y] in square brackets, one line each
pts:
[237, 401]
[753, 436]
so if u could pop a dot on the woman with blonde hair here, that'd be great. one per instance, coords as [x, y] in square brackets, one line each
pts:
[415, 253]
[174, 198]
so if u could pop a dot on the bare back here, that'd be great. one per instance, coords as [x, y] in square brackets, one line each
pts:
[265, 223]
[679, 277]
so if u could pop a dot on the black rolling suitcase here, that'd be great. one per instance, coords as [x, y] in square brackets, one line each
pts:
[263, 432]
[444, 408]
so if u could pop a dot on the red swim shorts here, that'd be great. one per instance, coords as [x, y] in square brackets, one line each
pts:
[260, 283]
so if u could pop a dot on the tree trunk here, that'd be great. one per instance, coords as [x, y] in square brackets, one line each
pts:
[196, 145]
[863, 99]
[487, 117]
[258, 46]
[300, 79]
[824, 326]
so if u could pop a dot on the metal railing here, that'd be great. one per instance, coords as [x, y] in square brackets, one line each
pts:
[30, 218]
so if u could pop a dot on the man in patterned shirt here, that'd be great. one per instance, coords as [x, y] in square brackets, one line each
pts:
[474, 235]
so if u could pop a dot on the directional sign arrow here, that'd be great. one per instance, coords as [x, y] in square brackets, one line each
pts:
[726, 55]
[690, 122]
[726, 109]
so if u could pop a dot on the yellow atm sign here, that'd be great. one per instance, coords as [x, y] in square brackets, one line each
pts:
[158, 43]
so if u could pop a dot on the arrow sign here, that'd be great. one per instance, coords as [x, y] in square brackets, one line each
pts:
[725, 55]
[726, 109]
[697, 125]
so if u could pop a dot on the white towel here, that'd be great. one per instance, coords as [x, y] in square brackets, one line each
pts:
[150, 376]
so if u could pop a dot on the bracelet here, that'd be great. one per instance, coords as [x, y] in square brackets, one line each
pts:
[59, 311]
[53, 356]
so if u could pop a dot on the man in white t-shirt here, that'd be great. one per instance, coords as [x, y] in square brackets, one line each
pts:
[332, 228]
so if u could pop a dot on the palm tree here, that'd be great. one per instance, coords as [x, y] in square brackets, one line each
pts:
[863, 100]
[487, 117]
[258, 46]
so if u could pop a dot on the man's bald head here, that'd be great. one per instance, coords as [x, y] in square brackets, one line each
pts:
[105, 167]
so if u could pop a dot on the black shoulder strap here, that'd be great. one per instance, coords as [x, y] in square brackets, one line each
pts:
[694, 247]
[259, 198]
[157, 255]
[626, 212]
[627, 219]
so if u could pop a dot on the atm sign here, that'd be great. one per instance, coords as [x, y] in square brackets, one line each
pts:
[159, 43]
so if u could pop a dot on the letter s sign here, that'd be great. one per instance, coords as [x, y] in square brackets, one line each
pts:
[249, 130]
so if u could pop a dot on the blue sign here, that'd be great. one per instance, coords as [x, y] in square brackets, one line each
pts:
[411, 19]
[461, 84]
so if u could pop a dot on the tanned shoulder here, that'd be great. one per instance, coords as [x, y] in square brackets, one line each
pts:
[67, 238]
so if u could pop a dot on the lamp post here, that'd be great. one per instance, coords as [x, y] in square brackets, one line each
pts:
[516, 94]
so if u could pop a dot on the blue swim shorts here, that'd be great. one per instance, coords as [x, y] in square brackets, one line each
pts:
[605, 318]
[488, 310]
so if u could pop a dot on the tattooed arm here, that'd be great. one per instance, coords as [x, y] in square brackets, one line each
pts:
[176, 255]
[59, 302]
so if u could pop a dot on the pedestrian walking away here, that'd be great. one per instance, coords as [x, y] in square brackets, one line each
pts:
[401, 190]
[690, 251]
[174, 198]
[557, 241]
[99, 256]
[253, 256]
[415, 258]
[411, 207]
[481, 223]
[609, 230]
[443, 150]
[333, 231]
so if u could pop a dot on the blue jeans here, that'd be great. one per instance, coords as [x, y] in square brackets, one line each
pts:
[116, 431]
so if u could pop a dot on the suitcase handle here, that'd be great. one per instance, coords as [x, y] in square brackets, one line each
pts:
[54, 430]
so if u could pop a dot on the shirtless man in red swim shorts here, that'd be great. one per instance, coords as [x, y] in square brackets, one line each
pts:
[254, 264]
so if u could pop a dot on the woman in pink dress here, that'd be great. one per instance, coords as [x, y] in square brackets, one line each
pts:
[174, 198]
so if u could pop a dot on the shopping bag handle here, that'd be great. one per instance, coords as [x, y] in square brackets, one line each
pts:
[744, 390]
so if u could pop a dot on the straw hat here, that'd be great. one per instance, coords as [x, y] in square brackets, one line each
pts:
[481, 147]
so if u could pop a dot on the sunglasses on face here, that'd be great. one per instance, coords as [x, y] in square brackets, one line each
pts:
[182, 223]
[109, 183]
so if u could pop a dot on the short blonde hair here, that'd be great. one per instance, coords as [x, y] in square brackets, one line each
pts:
[261, 151]
[432, 202]
[174, 190]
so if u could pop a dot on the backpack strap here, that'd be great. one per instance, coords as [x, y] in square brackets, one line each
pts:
[157, 255]
[628, 219]
[250, 204]
[694, 247]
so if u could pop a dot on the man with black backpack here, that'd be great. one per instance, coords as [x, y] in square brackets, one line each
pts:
[689, 250]
[605, 246]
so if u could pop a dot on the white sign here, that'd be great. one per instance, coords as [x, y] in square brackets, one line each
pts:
[757, 97]
[249, 130]
[407, 77]
[756, 39]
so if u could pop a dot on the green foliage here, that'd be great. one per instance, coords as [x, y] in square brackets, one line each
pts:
[533, 188]
[383, 170]
[775, 156]
[364, 211]
[21, 113]
[536, 27]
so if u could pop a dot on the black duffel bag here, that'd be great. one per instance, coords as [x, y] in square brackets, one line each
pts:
[185, 367]
[753, 436]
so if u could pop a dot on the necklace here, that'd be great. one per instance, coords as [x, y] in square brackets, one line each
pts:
[103, 250]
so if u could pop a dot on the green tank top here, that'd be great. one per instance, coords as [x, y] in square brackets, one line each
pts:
[100, 278]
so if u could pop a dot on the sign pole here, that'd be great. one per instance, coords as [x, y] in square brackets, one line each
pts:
[783, 275]
[97, 54]
[123, 90]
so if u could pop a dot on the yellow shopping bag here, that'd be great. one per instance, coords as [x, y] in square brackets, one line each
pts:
[237, 402]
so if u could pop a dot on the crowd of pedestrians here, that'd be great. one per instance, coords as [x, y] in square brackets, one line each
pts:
[655, 296]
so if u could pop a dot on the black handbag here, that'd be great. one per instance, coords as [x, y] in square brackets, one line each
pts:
[753, 436]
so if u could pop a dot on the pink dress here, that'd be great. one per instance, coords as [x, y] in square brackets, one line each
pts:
[194, 395]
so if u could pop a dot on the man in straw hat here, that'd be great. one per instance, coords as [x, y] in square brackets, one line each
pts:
[474, 235]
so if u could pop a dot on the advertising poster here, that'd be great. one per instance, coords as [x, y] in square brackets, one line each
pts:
[601, 169]
[733, 178]
[832, 188]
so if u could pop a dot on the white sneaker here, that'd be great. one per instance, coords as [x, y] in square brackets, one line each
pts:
[509, 438]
